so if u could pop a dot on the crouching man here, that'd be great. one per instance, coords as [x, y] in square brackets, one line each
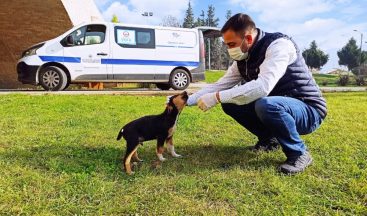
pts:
[268, 90]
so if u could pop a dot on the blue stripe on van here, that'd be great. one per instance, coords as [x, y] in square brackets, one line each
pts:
[60, 59]
[149, 62]
[122, 61]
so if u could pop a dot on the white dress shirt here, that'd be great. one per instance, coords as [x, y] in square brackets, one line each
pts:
[279, 55]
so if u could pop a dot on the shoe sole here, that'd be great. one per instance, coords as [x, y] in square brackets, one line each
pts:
[287, 172]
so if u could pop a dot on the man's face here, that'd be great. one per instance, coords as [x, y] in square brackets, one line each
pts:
[233, 40]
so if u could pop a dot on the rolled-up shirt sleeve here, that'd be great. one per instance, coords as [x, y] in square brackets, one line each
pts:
[279, 55]
[231, 78]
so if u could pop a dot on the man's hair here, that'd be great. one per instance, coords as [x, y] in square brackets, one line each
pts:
[239, 23]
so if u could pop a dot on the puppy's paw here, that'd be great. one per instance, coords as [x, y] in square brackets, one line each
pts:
[138, 160]
[161, 158]
[175, 155]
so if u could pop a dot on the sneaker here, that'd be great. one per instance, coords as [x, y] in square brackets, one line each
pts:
[296, 165]
[271, 144]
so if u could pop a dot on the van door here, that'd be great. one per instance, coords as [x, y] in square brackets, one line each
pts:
[210, 32]
[134, 55]
[83, 53]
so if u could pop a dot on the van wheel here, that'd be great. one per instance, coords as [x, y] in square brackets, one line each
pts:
[163, 86]
[179, 79]
[67, 86]
[53, 78]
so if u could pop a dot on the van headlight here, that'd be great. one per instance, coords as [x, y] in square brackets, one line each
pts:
[32, 51]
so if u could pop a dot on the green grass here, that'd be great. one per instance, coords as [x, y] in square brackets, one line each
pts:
[59, 156]
[213, 76]
[329, 80]
[326, 79]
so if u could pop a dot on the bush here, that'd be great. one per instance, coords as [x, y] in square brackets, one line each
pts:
[324, 83]
[343, 80]
[360, 73]
[360, 80]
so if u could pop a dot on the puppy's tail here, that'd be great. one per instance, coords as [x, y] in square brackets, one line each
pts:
[120, 134]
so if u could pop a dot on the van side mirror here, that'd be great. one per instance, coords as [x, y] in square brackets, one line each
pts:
[70, 40]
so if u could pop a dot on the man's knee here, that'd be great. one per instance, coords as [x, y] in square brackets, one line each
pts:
[264, 107]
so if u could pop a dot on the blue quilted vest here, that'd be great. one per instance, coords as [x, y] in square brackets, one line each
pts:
[297, 81]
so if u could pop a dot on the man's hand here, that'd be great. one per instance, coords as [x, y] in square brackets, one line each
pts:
[190, 102]
[208, 101]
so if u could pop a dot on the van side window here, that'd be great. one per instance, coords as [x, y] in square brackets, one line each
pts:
[86, 35]
[129, 37]
[95, 34]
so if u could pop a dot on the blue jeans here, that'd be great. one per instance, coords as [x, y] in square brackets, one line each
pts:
[284, 118]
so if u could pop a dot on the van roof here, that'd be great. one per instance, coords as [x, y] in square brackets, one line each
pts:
[137, 25]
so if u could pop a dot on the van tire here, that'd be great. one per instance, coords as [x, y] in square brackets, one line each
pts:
[67, 86]
[53, 78]
[163, 86]
[179, 79]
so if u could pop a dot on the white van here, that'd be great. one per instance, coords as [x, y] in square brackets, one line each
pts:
[109, 52]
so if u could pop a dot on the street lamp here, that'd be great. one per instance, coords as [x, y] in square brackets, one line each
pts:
[360, 48]
[147, 14]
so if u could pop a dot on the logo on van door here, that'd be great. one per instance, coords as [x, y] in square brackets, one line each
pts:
[91, 61]
[126, 37]
[175, 34]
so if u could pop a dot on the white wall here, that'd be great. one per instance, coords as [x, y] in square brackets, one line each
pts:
[82, 11]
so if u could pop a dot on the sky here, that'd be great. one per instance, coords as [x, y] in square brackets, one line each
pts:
[331, 23]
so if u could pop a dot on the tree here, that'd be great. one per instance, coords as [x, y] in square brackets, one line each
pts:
[228, 14]
[225, 56]
[315, 58]
[200, 21]
[189, 19]
[115, 19]
[213, 43]
[170, 21]
[349, 55]
[210, 19]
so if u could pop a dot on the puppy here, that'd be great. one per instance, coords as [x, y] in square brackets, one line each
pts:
[160, 127]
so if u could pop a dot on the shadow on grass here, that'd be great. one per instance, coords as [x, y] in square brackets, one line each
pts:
[107, 160]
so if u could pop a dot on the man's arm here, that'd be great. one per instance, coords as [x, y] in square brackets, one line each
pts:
[279, 55]
[231, 78]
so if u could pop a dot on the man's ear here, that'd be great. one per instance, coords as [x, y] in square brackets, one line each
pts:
[250, 39]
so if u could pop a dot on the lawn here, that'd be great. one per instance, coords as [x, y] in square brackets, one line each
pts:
[329, 80]
[59, 156]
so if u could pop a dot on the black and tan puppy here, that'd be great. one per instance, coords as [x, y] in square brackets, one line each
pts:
[160, 127]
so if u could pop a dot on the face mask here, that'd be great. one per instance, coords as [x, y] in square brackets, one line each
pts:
[237, 54]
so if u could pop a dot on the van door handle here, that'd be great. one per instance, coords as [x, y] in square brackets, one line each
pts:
[102, 54]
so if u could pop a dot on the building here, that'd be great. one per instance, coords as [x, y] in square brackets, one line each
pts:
[24, 23]
[82, 11]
